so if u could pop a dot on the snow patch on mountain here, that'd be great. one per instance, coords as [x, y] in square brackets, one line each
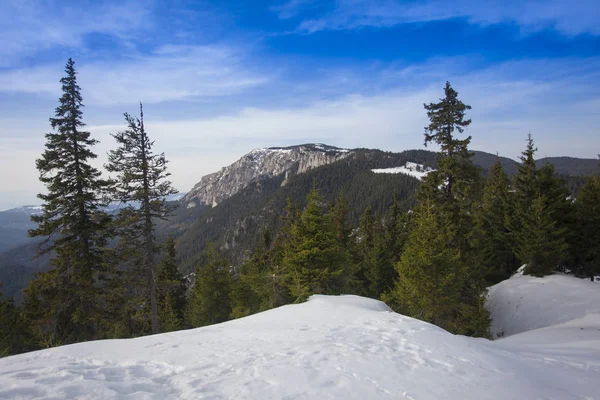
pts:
[419, 171]
[335, 347]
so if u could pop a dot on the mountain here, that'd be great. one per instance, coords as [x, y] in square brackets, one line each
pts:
[565, 166]
[231, 206]
[234, 224]
[14, 224]
[339, 347]
[261, 164]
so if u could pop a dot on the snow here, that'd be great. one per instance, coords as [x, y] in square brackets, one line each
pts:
[336, 347]
[419, 171]
[525, 303]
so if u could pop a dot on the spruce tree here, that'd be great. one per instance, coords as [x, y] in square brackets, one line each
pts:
[171, 290]
[67, 303]
[454, 187]
[141, 184]
[364, 256]
[314, 261]
[587, 247]
[432, 278]
[525, 180]
[209, 300]
[542, 215]
[542, 243]
[493, 237]
[439, 278]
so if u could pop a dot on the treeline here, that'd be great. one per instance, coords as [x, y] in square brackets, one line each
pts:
[111, 278]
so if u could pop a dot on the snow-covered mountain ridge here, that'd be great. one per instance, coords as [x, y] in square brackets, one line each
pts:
[332, 347]
[259, 164]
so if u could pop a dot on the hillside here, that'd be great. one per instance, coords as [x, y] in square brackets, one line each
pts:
[236, 222]
[343, 347]
[250, 194]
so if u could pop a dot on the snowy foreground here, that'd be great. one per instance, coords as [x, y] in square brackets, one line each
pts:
[343, 347]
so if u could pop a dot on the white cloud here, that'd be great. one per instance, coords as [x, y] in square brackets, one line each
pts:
[509, 100]
[562, 15]
[169, 73]
[28, 26]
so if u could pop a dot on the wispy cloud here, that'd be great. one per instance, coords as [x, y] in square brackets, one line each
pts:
[28, 27]
[168, 73]
[561, 15]
[554, 99]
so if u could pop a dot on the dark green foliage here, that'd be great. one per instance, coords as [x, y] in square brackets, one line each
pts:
[67, 303]
[439, 278]
[542, 244]
[587, 247]
[314, 261]
[171, 290]
[525, 181]
[209, 300]
[433, 277]
[141, 184]
[15, 335]
[542, 215]
[235, 223]
[454, 187]
[493, 238]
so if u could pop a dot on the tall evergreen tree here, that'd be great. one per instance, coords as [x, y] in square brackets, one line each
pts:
[542, 243]
[542, 214]
[493, 237]
[66, 304]
[314, 260]
[171, 290]
[209, 300]
[525, 180]
[142, 185]
[432, 278]
[454, 186]
[587, 247]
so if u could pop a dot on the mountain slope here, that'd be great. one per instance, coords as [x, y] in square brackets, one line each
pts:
[236, 222]
[332, 347]
[261, 164]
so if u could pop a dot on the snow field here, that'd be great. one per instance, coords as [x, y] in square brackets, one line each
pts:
[331, 347]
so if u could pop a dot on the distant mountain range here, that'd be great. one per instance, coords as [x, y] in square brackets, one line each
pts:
[230, 206]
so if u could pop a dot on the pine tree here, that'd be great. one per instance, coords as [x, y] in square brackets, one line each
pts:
[439, 278]
[67, 303]
[542, 244]
[454, 186]
[362, 255]
[587, 247]
[314, 260]
[432, 278]
[542, 215]
[141, 179]
[525, 180]
[209, 301]
[493, 238]
[171, 290]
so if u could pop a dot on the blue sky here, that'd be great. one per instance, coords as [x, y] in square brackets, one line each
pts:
[218, 79]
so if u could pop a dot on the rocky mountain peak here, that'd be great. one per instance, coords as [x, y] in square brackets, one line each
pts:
[261, 164]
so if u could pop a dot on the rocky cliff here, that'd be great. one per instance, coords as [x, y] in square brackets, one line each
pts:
[260, 164]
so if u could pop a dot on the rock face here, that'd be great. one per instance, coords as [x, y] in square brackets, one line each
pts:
[260, 164]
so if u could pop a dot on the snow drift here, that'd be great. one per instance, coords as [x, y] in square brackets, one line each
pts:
[344, 347]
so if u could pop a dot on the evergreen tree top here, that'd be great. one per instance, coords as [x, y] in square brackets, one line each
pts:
[447, 116]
